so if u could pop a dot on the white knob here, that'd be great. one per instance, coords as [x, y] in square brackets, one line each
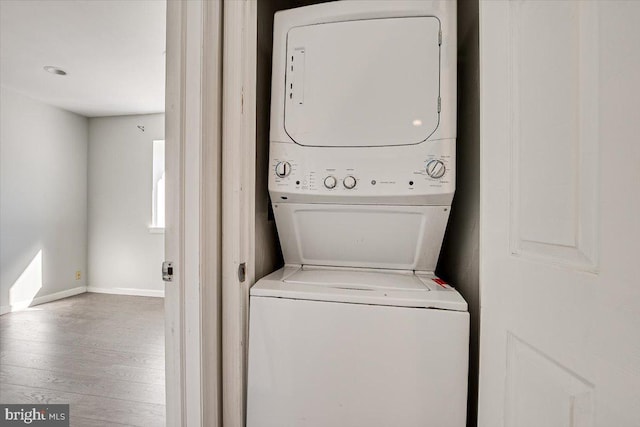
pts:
[349, 182]
[330, 182]
[435, 169]
[283, 169]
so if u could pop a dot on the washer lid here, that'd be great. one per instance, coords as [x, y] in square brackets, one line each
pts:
[371, 82]
[363, 280]
[358, 286]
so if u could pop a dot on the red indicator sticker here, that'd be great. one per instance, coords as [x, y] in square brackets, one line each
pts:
[440, 282]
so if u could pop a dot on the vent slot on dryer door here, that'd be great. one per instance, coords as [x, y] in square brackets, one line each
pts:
[372, 82]
[295, 77]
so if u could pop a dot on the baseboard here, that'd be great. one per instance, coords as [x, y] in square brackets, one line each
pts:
[21, 305]
[126, 291]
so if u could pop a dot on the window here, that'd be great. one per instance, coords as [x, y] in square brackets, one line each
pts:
[157, 217]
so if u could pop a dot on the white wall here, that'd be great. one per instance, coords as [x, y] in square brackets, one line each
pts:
[124, 257]
[43, 201]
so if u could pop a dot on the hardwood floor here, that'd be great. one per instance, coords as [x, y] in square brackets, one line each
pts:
[102, 354]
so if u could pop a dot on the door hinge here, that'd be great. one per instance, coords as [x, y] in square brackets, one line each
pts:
[439, 103]
[242, 272]
[440, 38]
[167, 271]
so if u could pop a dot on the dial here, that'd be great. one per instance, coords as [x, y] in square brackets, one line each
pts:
[283, 169]
[330, 182]
[435, 169]
[349, 182]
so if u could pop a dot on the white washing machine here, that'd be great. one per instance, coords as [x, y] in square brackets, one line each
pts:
[355, 330]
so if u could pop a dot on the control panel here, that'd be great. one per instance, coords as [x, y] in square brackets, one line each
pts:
[362, 173]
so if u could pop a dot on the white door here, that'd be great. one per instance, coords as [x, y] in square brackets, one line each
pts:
[560, 214]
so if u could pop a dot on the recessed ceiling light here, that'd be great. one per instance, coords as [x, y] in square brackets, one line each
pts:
[55, 70]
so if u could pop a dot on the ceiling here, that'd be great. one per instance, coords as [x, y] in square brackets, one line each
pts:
[112, 51]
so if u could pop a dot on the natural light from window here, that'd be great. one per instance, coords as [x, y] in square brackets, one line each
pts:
[157, 218]
[27, 286]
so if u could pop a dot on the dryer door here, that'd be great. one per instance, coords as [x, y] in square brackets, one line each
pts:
[363, 83]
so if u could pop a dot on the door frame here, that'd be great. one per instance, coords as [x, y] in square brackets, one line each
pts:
[238, 199]
[192, 235]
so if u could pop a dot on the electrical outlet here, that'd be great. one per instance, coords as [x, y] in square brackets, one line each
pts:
[78, 275]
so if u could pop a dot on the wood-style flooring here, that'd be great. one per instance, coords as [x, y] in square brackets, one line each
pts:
[102, 354]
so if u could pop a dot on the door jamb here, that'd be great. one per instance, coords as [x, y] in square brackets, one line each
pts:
[238, 199]
[192, 236]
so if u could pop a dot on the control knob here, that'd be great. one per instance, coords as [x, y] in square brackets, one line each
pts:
[330, 182]
[349, 182]
[435, 169]
[283, 169]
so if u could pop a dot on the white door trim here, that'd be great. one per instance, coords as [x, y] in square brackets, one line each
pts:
[211, 214]
[173, 148]
[193, 219]
[238, 198]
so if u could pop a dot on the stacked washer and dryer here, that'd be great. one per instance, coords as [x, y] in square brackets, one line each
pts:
[356, 330]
